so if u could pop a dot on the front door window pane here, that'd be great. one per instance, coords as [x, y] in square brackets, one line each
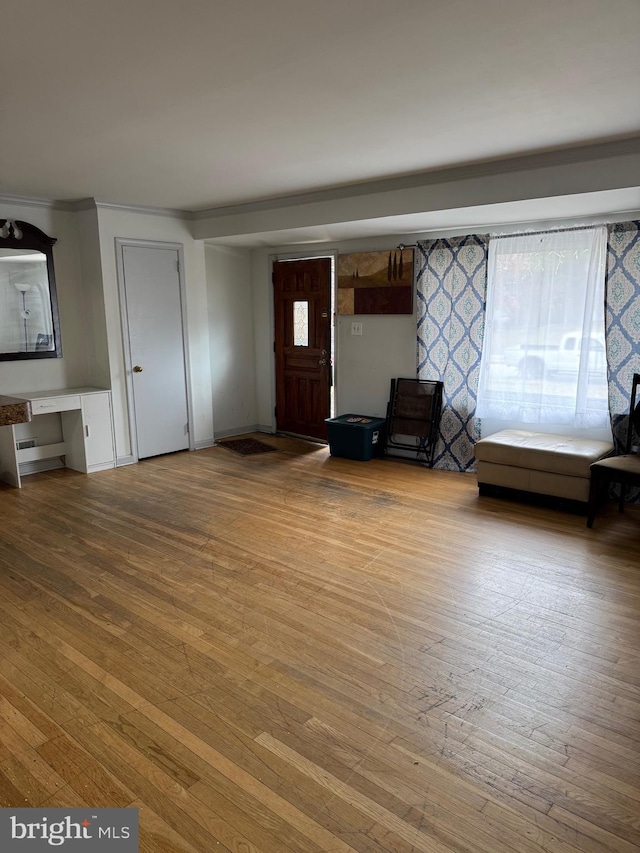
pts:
[301, 324]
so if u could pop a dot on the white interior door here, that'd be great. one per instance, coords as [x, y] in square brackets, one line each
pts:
[156, 347]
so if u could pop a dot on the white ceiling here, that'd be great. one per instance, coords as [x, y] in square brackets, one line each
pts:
[207, 103]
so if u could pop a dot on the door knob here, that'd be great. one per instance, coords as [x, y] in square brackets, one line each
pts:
[322, 361]
[137, 369]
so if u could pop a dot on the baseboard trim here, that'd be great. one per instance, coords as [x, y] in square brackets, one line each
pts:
[205, 442]
[100, 466]
[244, 430]
[266, 428]
[121, 461]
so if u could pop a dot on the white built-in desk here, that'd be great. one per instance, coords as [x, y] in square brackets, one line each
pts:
[72, 427]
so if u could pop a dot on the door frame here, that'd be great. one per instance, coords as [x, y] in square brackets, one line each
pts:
[121, 243]
[331, 253]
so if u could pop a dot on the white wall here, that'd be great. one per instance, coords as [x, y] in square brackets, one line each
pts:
[263, 330]
[92, 285]
[366, 365]
[233, 378]
[72, 369]
[126, 224]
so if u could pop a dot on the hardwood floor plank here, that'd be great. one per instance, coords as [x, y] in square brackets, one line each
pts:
[418, 830]
[297, 653]
[92, 781]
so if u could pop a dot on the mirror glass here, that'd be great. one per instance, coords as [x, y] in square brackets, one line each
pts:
[28, 305]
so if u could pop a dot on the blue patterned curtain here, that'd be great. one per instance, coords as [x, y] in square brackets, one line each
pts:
[451, 288]
[622, 321]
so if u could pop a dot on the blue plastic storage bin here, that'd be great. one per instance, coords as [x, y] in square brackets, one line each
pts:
[356, 436]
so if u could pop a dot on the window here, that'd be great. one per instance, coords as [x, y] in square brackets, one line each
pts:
[543, 357]
[301, 323]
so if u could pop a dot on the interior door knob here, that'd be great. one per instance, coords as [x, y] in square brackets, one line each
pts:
[137, 369]
[322, 361]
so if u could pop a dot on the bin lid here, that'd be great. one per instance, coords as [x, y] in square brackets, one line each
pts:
[357, 421]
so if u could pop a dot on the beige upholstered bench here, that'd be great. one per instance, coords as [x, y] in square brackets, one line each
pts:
[537, 462]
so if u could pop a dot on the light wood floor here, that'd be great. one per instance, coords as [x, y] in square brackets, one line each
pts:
[292, 653]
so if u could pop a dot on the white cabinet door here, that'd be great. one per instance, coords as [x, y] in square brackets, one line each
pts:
[98, 431]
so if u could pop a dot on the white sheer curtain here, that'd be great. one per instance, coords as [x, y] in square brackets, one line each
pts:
[543, 357]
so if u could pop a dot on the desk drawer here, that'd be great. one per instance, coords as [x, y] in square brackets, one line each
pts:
[55, 404]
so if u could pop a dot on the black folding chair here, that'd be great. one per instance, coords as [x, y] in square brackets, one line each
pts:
[413, 417]
[623, 469]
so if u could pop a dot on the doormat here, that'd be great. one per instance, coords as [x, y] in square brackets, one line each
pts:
[246, 446]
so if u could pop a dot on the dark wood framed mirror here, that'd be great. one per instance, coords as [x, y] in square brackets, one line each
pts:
[29, 319]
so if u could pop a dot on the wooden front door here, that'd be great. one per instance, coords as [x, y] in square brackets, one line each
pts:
[302, 295]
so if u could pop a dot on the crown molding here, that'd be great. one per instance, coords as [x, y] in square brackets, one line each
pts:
[83, 204]
[172, 213]
[46, 203]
